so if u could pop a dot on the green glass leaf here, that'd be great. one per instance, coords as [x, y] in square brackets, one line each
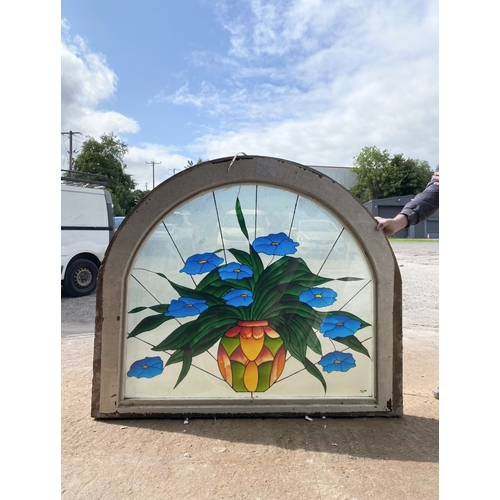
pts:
[293, 307]
[147, 324]
[270, 276]
[206, 334]
[137, 309]
[348, 278]
[311, 281]
[199, 329]
[175, 358]
[299, 334]
[195, 294]
[313, 370]
[288, 270]
[206, 343]
[264, 302]
[291, 346]
[353, 343]
[213, 329]
[217, 290]
[243, 283]
[255, 262]
[313, 342]
[179, 338]
[241, 256]
[296, 348]
[241, 219]
[294, 341]
[186, 365]
[202, 347]
[209, 279]
[291, 289]
[160, 308]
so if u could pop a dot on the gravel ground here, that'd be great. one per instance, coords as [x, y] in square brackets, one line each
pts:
[271, 459]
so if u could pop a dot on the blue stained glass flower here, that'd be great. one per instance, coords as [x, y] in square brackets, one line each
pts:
[185, 306]
[235, 271]
[338, 325]
[318, 297]
[201, 263]
[146, 368]
[275, 244]
[337, 362]
[238, 298]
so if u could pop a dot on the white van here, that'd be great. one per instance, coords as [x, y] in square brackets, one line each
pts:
[86, 230]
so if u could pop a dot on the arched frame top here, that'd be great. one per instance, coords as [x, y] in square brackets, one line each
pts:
[108, 397]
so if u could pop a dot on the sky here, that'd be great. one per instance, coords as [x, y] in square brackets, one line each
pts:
[310, 81]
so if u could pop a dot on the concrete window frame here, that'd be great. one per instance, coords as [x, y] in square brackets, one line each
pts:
[111, 300]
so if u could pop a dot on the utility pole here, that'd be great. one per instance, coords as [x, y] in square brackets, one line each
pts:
[70, 133]
[153, 163]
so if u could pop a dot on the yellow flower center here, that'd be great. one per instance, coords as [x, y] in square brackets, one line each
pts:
[337, 362]
[275, 243]
[188, 305]
[145, 366]
[244, 295]
[202, 261]
[318, 296]
[237, 270]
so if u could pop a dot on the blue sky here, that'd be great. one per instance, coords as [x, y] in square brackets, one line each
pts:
[311, 81]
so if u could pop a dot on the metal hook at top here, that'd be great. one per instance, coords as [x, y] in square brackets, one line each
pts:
[234, 159]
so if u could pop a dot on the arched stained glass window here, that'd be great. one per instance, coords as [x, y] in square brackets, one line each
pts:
[250, 292]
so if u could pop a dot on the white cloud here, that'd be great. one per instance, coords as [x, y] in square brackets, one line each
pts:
[346, 75]
[166, 163]
[86, 83]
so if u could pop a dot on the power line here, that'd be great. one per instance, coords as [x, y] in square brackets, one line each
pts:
[134, 158]
[70, 133]
[153, 163]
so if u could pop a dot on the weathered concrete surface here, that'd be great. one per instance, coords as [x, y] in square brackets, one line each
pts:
[334, 458]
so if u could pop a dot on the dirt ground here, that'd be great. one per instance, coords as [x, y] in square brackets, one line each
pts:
[267, 459]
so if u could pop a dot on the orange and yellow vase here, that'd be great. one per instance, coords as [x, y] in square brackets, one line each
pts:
[251, 356]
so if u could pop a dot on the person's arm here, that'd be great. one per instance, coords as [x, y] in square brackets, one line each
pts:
[425, 203]
[417, 210]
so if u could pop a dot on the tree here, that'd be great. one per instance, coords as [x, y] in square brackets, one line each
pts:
[190, 163]
[381, 176]
[106, 157]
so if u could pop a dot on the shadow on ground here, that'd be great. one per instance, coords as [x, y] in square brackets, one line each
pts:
[408, 438]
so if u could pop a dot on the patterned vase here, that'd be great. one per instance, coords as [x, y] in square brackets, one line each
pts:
[251, 356]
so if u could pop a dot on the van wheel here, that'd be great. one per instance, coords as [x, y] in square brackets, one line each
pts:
[81, 278]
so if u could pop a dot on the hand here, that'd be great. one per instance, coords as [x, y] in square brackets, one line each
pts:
[391, 226]
[435, 178]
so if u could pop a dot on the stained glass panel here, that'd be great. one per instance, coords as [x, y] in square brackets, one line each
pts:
[250, 291]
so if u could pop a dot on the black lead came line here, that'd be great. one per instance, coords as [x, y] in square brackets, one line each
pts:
[220, 226]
